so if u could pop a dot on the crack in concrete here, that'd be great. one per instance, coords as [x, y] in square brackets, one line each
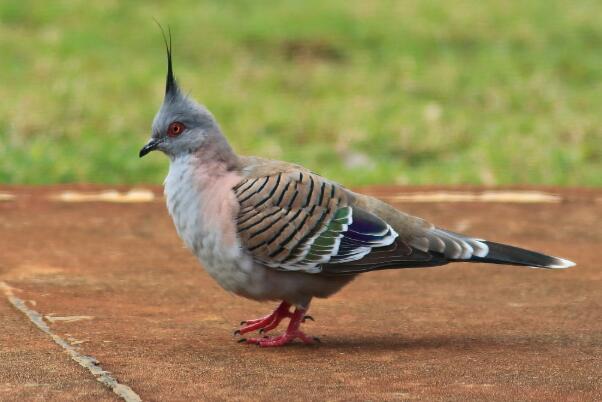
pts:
[88, 362]
[71, 318]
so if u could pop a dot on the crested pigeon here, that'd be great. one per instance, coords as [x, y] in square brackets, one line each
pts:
[271, 230]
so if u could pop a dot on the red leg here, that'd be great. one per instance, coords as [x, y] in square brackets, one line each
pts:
[268, 322]
[292, 332]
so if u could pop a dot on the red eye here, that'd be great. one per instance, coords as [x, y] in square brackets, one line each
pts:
[176, 128]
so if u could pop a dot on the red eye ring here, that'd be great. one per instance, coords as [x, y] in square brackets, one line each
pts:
[176, 128]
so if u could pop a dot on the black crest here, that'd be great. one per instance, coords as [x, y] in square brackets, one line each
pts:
[171, 87]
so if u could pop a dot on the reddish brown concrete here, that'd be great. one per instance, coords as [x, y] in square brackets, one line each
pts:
[163, 327]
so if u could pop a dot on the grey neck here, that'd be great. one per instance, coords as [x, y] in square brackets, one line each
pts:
[218, 152]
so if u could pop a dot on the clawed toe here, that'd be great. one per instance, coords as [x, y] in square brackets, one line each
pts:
[281, 340]
[266, 323]
[292, 331]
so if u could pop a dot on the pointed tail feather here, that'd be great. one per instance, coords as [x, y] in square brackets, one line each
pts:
[505, 254]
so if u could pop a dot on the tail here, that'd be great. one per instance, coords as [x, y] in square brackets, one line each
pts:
[504, 254]
[457, 247]
[440, 247]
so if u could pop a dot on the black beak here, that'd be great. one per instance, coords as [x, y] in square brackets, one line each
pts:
[150, 146]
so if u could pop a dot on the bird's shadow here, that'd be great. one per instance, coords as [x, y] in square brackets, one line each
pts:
[443, 342]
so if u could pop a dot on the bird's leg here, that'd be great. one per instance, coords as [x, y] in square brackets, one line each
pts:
[292, 332]
[268, 322]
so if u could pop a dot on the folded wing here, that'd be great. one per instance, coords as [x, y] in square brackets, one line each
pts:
[299, 221]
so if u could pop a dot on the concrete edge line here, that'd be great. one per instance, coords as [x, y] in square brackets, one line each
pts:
[6, 196]
[131, 196]
[439, 196]
[89, 362]
[520, 197]
[137, 195]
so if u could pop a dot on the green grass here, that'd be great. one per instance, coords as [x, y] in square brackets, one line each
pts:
[416, 92]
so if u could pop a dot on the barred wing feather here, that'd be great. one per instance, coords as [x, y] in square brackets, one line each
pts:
[299, 221]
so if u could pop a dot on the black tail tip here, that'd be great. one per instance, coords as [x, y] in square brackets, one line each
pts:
[498, 253]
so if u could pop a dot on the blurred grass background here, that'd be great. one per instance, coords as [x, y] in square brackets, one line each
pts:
[493, 92]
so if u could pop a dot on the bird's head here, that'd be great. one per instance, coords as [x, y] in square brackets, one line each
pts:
[181, 125]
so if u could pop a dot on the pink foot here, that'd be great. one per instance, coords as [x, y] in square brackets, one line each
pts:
[268, 322]
[292, 332]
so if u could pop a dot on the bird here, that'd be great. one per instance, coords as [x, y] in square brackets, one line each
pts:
[270, 230]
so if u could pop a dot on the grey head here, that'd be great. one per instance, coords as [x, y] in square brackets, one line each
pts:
[182, 126]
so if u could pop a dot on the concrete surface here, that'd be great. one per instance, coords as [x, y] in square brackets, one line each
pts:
[112, 279]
